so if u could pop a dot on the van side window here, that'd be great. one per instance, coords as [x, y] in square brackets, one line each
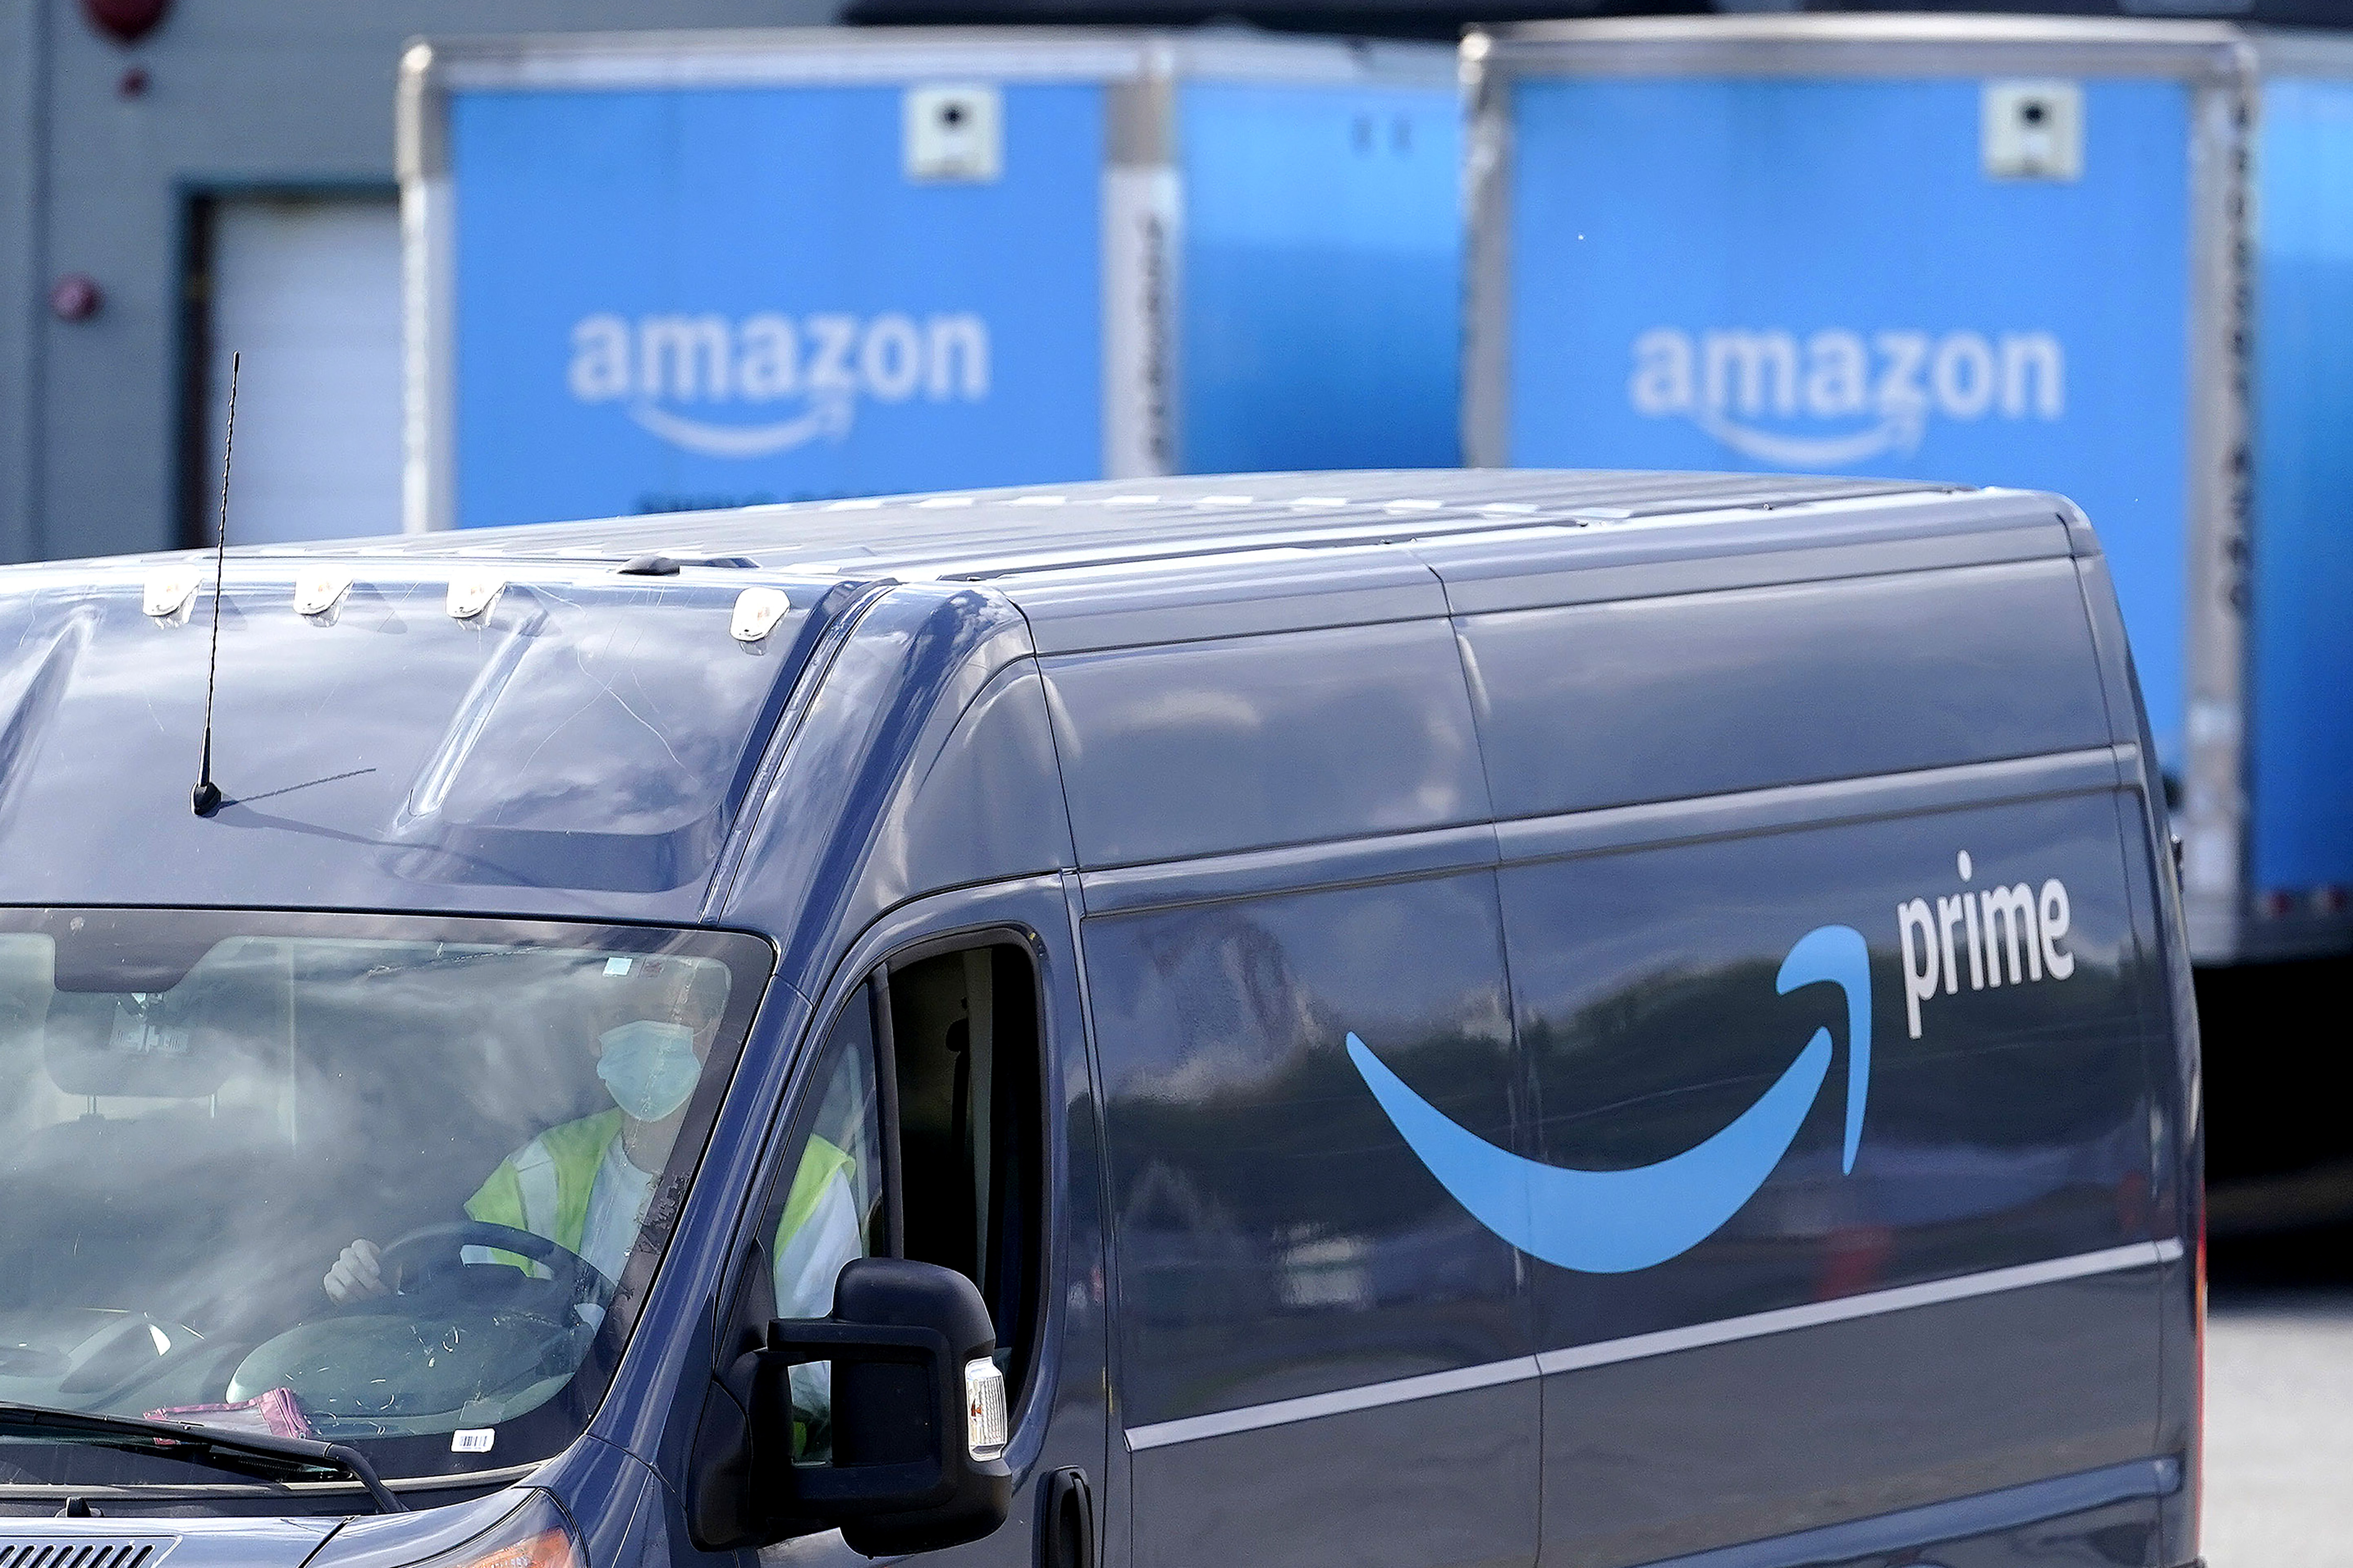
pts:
[830, 1209]
[963, 1054]
[964, 1034]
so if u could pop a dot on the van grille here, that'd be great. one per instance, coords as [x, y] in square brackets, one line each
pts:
[84, 1551]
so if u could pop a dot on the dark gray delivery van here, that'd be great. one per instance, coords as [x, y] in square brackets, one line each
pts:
[1366, 1020]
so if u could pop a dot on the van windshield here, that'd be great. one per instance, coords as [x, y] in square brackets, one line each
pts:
[384, 1181]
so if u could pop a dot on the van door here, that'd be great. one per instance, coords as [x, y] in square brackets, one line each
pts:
[1869, 1104]
[948, 1118]
[1322, 1359]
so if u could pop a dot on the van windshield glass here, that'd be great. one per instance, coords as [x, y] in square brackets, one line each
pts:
[383, 1180]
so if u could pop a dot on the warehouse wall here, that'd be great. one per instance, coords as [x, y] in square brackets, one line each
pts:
[99, 442]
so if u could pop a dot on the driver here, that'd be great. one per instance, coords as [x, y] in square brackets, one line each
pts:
[586, 1185]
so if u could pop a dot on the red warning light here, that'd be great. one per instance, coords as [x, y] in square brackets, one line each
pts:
[125, 21]
[76, 296]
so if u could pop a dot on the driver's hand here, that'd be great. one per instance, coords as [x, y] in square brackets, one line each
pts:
[357, 1274]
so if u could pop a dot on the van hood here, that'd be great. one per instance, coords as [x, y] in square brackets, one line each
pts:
[197, 1543]
[390, 731]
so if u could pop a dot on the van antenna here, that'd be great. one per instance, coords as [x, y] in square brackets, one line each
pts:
[208, 796]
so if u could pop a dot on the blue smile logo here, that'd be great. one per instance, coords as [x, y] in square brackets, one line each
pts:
[1612, 1222]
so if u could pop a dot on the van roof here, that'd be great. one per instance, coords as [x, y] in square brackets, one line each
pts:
[983, 534]
[586, 742]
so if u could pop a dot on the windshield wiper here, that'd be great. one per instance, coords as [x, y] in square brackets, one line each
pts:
[212, 1445]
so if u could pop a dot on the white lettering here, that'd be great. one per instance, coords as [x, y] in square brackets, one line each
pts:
[769, 362]
[834, 336]
[1948, 915]
[2013, 936]
[2011, 907]
[1838, 375]
[1899, 378]
[2055, 918]
[890, 359]
[1976, 943]
[1920, 961]
[683, 357]
[1964, 376]
[601, 359]
[1765, 364]
[959, 358]
[2037, 354]
[1662, 373]
[829, 357]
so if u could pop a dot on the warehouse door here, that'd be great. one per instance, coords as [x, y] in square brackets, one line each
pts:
[308, 290]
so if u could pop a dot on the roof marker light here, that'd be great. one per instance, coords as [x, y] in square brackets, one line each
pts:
[864, 504]
[1223, 500]
[946, 500]
[169, 591]
[1132, 501]
[1411, 506]
[1514, 507]
[757, 611]
[1038, 501]
[319, 589]
[472, 592]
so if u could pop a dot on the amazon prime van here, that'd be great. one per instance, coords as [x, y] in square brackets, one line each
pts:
[1418, 1020]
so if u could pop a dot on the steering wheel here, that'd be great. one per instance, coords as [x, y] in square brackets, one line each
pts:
[432, 1256]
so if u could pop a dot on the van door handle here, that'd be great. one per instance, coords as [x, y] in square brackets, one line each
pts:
[1065, 1520]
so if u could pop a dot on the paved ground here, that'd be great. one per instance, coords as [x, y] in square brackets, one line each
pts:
[2279, 1430]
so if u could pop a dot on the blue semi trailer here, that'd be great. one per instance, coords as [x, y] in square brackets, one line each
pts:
[658, 272]
[2109, 257]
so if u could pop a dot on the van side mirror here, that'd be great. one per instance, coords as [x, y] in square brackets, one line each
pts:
[918, 1414]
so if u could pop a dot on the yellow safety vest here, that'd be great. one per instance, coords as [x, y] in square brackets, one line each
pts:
[560, 1167]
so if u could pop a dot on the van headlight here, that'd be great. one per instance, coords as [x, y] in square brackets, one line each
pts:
[535, 1535]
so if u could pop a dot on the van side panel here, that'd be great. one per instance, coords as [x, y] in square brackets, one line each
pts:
[867, 800]
[1998, 1125]
[1595, 705]
[2178, 1167]
[987, 804]
[1283, 1263]
[1720, 1453]
[1251, 741]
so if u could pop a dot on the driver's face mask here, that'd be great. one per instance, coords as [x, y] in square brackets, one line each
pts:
[649, 1067]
